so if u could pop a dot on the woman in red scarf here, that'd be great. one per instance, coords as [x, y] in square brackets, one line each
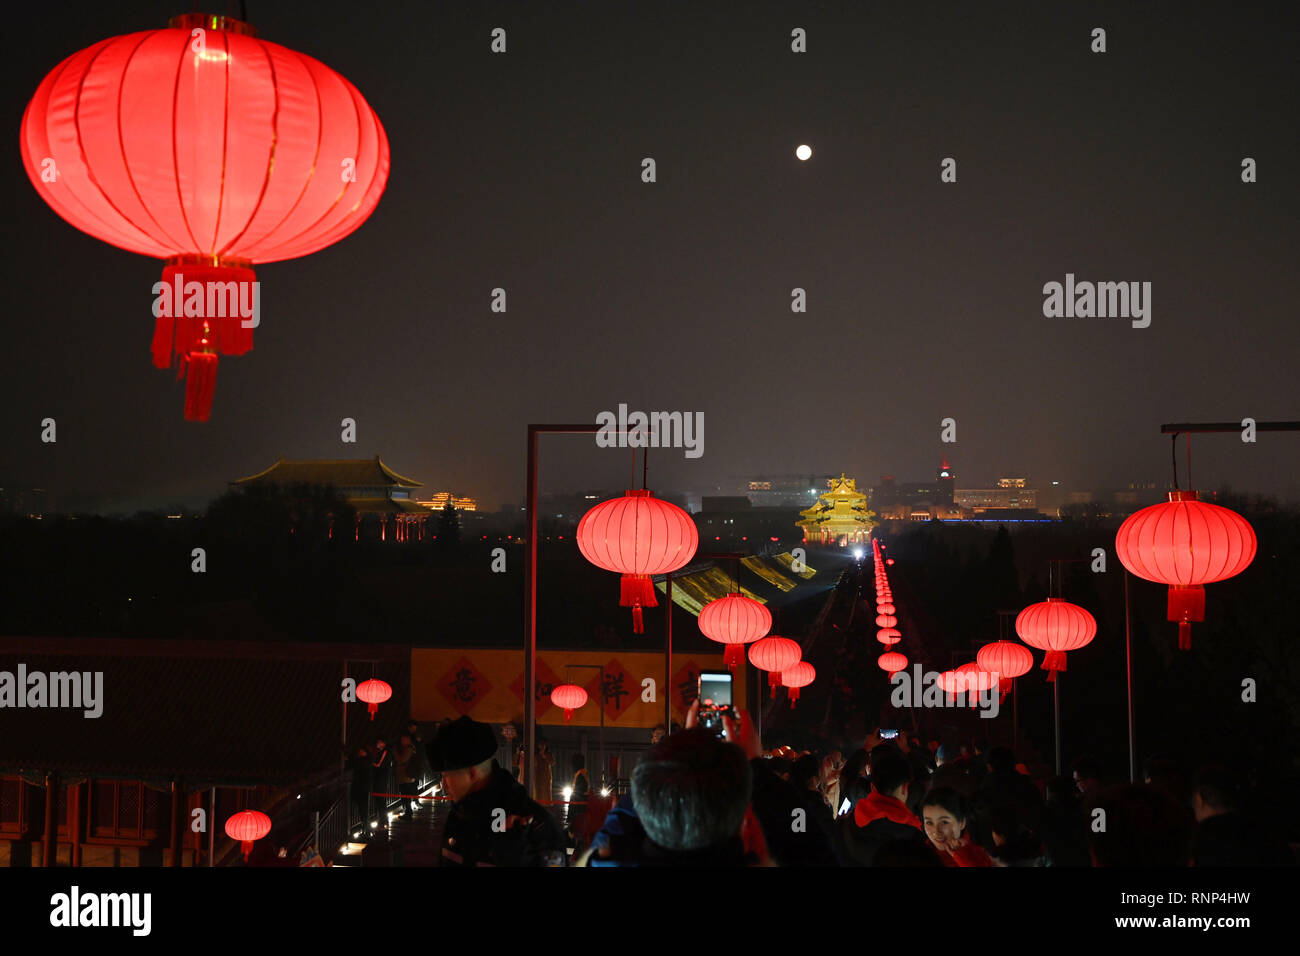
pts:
[944, 812]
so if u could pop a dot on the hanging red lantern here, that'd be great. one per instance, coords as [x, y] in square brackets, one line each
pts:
[373, 693]
[889, 561]
[569, 697]
[887, 608]
[1007, 659]
[889, 635]
[774, 654]
[637, 536]
[248, 826]
[1055, 626]
[735, 621]
[1186, 544]
[975, 680]
[951, 683]
[212, 150]
[801, 675]
[886, 620]
[891, 662]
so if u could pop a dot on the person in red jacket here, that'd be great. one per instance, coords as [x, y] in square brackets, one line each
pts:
[945, 814]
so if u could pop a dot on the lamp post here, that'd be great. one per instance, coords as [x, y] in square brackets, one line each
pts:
[601, 669]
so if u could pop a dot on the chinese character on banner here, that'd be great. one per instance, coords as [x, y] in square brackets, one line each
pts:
[687, 684]
[613, 690]
[464, 685]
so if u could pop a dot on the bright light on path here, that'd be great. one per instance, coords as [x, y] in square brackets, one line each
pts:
[803, 152]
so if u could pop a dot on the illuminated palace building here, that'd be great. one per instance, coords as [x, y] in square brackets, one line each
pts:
[380, 496]
[840, 517]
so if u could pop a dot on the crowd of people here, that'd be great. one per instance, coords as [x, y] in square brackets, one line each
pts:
[700, 799]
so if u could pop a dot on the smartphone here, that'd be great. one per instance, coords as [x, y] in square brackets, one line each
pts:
[888, 734]
[715, 699]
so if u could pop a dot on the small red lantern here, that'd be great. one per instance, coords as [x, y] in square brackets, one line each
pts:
[774, 654]
[1055, 626]
[886, 620]
[247, 826]
[570, 697]
[886, 608]
[889, 635]
[891, 662]
[735, 621]
[637, 536]
[1186, 544]
[1007, 659]
[801, 675]
[373, 692]
[975, 680]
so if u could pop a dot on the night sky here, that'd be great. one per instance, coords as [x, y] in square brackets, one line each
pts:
[523, 171]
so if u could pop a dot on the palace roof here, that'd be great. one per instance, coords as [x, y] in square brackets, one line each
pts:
[339, 472]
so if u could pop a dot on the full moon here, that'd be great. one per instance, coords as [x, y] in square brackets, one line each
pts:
[803, 152]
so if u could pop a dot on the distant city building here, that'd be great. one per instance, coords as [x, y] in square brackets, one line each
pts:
[31, 502]
[439, 501]
[841, 516]
[1010, 493]
[370, 487]
[889, 494]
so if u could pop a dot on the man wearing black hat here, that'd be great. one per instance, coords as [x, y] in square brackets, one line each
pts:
[493, 821]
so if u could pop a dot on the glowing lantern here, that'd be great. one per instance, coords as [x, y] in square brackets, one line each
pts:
[1055, 626]
[801, 675]
[975, 680]
[248, 826]
[951, 683]
[891, 662]
[1007, 659]
[774, 654]
[886, 608]
[373, 692]
[735, 621]
[570, 697]
[637, 536]
[886, 620]
[889, 560]
[1186, 544]
[889, 635]
[212, 150]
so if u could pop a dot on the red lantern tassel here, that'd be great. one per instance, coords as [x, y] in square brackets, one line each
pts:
[774, 681]
[733, 655]
[1053, 661]
[638, 623]
[568, 714]
[1186, 604]
[794, 696]
[247, 847]
[374, 709]
[200, 384]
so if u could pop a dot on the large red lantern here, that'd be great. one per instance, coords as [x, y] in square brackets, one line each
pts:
[214, 151]
[891, 662]
[1186, 544]
[801, 675]
[637, 536]
[373, 692]
[735, 621]
[1007, 659]
[886, 620]
[774, 654]
[1055, 626]
[570, 697]
[248, 826]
